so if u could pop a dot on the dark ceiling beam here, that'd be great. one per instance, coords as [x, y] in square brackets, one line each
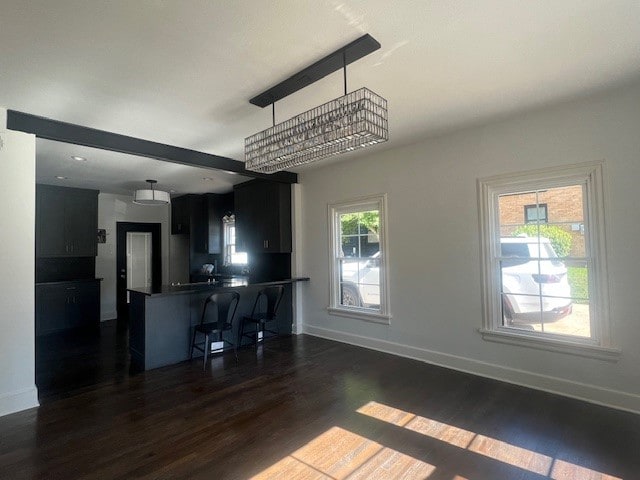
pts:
[49, 129]
[355, 50]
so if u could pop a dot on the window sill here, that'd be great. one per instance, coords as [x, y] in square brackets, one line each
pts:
[360, 315]
[552, 344]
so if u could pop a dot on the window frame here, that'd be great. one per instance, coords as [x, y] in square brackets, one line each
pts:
[379, 202]
[227, 224]
[591, 176]
[537, 206]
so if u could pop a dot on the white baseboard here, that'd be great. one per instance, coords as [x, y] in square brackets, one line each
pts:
[581, 391]
[20, 400]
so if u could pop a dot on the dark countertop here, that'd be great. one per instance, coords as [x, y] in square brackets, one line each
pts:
[70, 281]
[218, 285]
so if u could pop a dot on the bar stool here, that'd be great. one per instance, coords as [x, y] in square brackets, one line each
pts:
[269, 298]
[226, 304]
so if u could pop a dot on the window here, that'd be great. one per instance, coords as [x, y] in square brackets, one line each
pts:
[231, 257]
[535, 213]
[544, 281]
[358, 256]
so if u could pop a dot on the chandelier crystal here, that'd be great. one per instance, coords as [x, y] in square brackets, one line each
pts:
[355, 120]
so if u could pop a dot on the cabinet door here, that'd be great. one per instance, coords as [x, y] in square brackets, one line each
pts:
[248, 238]
[67, 305]
[277, 218]
[50, 223]
[217, 207]
[263, 217]
[51, 309]
[199, 223]
[87, 304]
[81, 223]
[180, 215]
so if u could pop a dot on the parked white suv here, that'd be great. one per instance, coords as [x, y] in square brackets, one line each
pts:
[531, 286]
[361, 282]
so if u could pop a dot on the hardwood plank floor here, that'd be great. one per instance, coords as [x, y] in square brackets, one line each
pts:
[69, 361]
[304, 407]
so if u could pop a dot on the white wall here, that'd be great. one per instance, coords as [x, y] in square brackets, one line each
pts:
[17, 267]
[120, 208]
[434, 242]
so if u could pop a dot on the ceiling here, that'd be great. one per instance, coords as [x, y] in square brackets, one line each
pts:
[121, 173]
[182, 72]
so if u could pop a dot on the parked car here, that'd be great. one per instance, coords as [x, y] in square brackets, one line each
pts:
[529, 286]
[361, 282]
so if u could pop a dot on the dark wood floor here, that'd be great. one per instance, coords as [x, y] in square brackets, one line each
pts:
[303, 407]
[73, 360]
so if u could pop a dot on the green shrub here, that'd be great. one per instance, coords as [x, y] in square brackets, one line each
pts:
[579, 281]
[560, 239]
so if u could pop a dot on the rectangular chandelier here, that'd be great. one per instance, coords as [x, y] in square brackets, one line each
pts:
[355, 120]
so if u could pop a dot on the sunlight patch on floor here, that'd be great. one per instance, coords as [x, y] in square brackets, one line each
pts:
[339, 454]
[486, 446]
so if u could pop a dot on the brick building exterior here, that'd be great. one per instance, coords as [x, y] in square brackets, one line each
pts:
[562, 206]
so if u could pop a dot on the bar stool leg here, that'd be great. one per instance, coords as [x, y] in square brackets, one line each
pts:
[193, 343]
[206, 349]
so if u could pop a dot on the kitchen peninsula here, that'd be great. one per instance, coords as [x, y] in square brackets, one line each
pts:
[161, 319]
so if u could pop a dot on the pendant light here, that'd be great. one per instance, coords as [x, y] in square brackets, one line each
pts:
[151, 196]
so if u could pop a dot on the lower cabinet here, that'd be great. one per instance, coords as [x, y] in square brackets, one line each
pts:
[66, 305]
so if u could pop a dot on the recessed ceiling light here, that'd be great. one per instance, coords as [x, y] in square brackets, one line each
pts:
[60, 177]
[79, 159]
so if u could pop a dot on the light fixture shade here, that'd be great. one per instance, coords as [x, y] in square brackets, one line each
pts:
[151, 197]
[354, 121]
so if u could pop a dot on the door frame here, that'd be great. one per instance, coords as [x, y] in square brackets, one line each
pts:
[122, 228]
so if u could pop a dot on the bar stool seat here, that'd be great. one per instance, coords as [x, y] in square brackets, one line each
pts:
[226, 304]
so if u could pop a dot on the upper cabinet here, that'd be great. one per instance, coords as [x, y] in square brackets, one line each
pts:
[180, 214]
[66, 222]
[200, 216]
[263, 217]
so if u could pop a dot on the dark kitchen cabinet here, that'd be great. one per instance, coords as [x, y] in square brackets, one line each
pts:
[67, 305]
[263, 216]
[217, 206]
[181, 214]
[66, 222]
[200, 216]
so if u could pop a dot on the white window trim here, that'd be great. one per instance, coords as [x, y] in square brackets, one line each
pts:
[334, 308]
[227, 260]
[600, 345]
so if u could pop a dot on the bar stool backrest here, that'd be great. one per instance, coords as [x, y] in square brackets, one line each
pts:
[270, 296]
[226, 303]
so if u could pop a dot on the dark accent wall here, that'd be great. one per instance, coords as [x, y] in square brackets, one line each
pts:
[63, 269]
[265, 267]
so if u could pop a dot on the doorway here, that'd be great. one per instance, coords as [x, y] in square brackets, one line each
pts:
[138, 260]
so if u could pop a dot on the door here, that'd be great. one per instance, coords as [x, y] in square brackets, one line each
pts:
[139, 267]
[138, 260]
